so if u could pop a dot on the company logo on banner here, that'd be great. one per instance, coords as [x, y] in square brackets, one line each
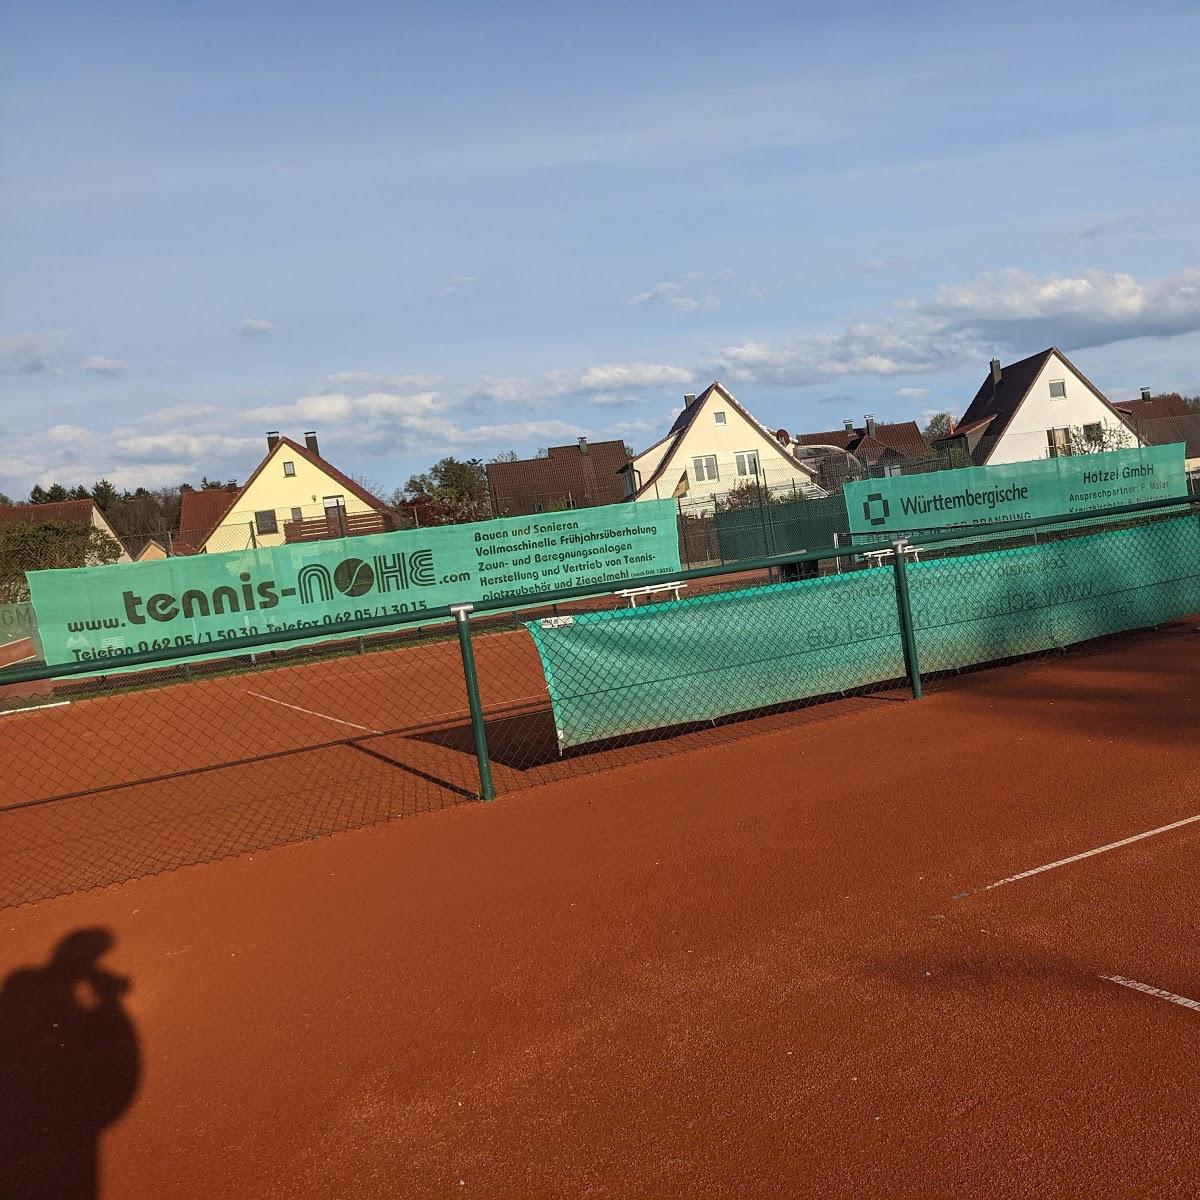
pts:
[1015, 491]
[108, 612]
[876, 509]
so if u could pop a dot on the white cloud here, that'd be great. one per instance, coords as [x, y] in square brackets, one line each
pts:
[145, 448]
[605, 383]
[339, 407]
[1011, 310]
[673, 293]
[374, 381]
[32, 353]
[181, 416]
[101, 365]
[256, 327]
[67, 435]
[912, 393]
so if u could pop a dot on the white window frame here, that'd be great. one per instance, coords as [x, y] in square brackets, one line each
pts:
[745, 460]
[704, 468]
[718, 418]
[1062, 383]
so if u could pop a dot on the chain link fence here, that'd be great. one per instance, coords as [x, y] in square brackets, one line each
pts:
[108, 774]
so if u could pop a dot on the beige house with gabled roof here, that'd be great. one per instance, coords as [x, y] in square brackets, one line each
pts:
[714, 447]
[294, 495]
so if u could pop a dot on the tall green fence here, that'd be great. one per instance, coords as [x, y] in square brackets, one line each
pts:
[779, 527]
[178, 756]
[674, 663]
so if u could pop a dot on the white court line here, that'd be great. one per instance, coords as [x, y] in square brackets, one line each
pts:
[1062, 862]
[1183, 1001]
[313, 712]
[9, 712]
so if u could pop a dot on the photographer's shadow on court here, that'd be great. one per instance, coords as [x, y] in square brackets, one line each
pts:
[69, 1068]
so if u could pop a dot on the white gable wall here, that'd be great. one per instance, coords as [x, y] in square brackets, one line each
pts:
[704, 437]
[1025, 438]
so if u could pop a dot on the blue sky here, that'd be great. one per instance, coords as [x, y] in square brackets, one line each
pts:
[458, 228]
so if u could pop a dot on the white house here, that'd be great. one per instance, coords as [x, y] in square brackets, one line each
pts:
[714, 447]
[1037, 408]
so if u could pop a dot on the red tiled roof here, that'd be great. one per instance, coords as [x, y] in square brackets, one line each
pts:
[1163, 420]
[904, 437]
[199, 514]
[69, 512]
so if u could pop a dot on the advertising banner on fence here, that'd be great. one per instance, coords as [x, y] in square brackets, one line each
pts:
[102, 613]
[620, 671]
[1015, 491]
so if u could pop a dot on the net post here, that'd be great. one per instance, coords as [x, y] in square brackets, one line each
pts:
[908, 637]
[478, 732]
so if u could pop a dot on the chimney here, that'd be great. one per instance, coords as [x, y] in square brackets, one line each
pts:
[689, 398]
[1145, 393]
[583, 446]
[272, 439]
[310, 440]
[995, 375]
[848, 425]
[870, 423]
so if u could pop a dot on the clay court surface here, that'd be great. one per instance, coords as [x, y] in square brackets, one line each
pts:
[772, 966]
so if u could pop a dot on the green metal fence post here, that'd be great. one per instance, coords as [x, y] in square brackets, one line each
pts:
[478, 732]
[908, 637]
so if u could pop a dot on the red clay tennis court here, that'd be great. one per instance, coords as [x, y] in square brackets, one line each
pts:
[942, 948]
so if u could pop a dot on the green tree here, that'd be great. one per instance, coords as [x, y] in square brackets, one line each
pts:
[103, 493]
[5, 501]
[505, 456]
[938, 426]
[50, 545]
[451, 491]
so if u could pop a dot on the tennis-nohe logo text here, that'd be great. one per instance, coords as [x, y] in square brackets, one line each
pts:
[315, 584]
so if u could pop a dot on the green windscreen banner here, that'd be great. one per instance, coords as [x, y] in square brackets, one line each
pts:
[1015, 491]
[102, 613]
[618, 672]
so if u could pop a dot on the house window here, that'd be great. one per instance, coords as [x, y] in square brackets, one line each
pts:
[333, 503]
[1058, 389]
[719, 418]
[297, 514]
[1059, 442]
[705, 467]
[747, 462]
[1094, 433]
[265, 522]
[289, 468]
[892, 469]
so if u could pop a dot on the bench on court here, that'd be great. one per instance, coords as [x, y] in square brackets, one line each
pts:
[652, 589]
